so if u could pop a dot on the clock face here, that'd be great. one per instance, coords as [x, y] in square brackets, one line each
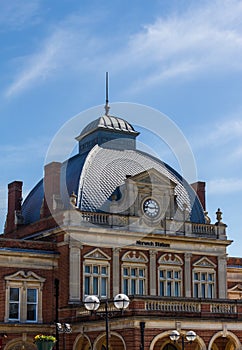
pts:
[151, 208]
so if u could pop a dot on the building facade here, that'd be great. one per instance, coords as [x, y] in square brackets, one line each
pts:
[115, 220]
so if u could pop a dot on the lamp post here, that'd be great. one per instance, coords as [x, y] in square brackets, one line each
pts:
[189, 337]
[63, 328]
[92, 303]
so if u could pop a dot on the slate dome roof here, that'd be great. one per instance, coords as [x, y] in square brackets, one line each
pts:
[94, 175]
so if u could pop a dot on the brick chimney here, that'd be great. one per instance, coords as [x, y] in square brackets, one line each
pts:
[14, 205]
[51, 188]
[199, 188]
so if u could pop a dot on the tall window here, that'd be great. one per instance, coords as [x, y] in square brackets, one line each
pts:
[96, 280]
[24, 297]
[96, 274]
[14, 304]
[203, 284]
[134, 280]
[204, 278]
[170, 275]
[134, 273]
[170, 282]
[32, 304]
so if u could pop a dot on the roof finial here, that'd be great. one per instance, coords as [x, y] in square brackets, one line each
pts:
[107, 108]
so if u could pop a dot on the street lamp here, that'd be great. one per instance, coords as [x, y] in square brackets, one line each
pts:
[63, 328]
[190, 337]
[92, 303]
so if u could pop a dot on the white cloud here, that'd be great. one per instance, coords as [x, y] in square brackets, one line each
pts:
[40, 65]
[224, 132]
[65, 50]
[206, 37]
[224, 186]
[227, 130]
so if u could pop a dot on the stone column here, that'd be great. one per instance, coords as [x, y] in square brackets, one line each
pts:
[222, 279]
[75, 270]
[153, 272]
[116, 272]
[187, 275]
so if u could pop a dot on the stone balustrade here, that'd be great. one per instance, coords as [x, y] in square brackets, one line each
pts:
[169, 227]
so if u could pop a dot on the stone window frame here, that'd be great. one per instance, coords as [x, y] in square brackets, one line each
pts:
[97, 258]
[172, 263]
[135, 260]
[207, 267]
[24, 281]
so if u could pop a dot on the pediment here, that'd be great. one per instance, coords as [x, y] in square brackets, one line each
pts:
[170, 259]
[204, 262]
[152, 176]
[29, 276]
[135, 256]
[236, 288]
[97, 254]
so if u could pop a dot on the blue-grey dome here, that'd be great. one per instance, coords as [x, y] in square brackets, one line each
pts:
[97, 171]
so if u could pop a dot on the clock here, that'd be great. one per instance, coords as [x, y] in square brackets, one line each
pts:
[151, 208]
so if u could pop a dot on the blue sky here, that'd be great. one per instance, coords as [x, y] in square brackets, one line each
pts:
[183, 58]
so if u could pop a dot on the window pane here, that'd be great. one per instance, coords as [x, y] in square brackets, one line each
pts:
[95, 269]
[176, 275]
[14, 311]
[87, 269]
[203, 276]
[14, 294]
[210, 277]
[161, 274]
[168, 289]
[169, 274]
[87, 286]
[103, 287]
[210, 291]
[133, 272]
[31, 312]
[203, 290]
[162, 292]
[125, 271]
[141, 272]
[95, 285]
[196, 291]
[141, 287]
[133, 287]
[104, 270]
[31, 295]
[126, 291]
[177, 289]
[196, 276]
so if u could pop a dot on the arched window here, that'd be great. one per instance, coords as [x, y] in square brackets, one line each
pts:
[134, 273]
[170, 275]
[96, 274]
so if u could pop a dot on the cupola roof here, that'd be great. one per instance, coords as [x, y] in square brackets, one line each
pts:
[110, 123]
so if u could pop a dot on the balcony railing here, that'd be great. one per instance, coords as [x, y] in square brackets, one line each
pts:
[179, 307]
[169, 226]
[171, 306]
